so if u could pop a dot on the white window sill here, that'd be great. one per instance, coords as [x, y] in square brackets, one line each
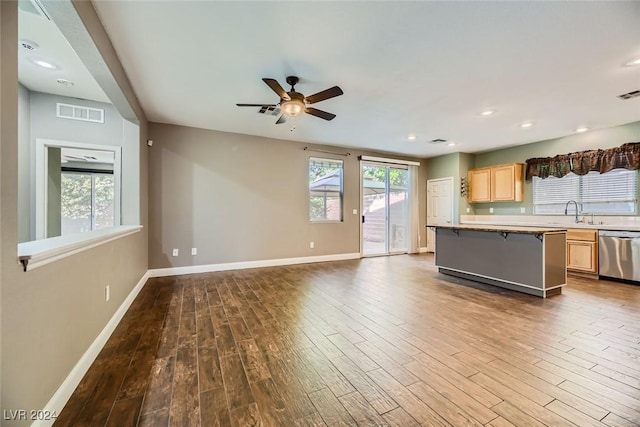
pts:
[41, 252]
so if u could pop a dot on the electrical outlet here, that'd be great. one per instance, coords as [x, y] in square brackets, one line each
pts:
[468, 210]
[175, 252]
[194, 251]
[312, 245]
[490, 211]
[523, 209]
[107, 293]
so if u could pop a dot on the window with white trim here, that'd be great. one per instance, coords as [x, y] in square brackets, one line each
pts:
[325, 190]
[611, 193]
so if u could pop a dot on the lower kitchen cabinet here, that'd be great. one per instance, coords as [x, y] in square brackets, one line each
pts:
[582, 251]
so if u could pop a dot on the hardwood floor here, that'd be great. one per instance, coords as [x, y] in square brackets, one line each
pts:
[374, 342]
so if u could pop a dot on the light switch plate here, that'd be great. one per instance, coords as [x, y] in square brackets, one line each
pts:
[355, 212]
[175, 252]
[194, 251]
[523, 209]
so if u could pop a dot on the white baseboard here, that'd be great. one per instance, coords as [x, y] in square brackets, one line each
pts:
[63, 393]
[193, 269]
[422, 250]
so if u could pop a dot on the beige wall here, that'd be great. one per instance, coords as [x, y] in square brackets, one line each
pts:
[242, 198]
[49, 316]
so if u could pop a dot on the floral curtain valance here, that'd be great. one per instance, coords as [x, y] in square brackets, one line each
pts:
[626, 156]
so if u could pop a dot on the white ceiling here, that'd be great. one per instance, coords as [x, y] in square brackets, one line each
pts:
[423, 68]
[53, 48]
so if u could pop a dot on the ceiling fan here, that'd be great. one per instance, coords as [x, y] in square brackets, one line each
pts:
[294, 103]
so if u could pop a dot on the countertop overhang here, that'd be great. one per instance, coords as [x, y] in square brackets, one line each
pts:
[556, 226]
[501, 228]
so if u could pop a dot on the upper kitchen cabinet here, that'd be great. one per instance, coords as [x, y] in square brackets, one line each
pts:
[479, 185]
[500, 183]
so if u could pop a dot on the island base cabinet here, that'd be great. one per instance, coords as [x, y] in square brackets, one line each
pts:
[528, 262]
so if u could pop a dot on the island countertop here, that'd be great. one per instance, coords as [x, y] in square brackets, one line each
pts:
[500, 228]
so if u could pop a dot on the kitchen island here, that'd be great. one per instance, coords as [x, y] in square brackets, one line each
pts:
[526, 259]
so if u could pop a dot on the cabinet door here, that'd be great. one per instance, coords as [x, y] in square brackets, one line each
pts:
[480, 185]
[582, 256]
[503, 179]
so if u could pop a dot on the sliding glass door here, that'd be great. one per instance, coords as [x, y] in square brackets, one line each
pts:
[385, 208]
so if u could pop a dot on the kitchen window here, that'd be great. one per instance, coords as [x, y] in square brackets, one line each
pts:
[610, 193]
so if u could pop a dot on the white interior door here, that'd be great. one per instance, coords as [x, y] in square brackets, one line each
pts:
[439, 207]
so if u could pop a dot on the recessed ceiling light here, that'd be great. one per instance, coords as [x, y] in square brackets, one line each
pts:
[526, 125]
[488, 112]
[582, 129]
[44, 64]
[411, 137]
[633, 62]
[451, 144]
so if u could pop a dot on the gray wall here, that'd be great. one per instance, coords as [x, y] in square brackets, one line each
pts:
[453, 165]
[45, 125]
[242, 198]
[54, 192]
[27, 217]
[50, 316]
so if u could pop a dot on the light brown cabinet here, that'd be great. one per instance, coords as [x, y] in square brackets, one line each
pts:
[479, 185]
[500, 183]
[582, 251]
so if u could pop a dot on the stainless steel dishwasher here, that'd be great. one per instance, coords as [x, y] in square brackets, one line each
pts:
[619, 254]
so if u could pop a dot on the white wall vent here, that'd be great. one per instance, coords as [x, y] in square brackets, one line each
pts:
[77, 112]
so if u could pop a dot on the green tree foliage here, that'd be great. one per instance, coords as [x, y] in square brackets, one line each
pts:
[76, 197]
[397, 177]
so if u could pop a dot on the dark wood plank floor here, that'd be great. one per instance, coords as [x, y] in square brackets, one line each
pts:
[374, 342]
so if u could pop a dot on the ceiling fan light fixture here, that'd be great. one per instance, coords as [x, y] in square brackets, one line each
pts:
[293, 107]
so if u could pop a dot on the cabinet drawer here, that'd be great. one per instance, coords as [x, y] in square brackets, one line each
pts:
[585, 235]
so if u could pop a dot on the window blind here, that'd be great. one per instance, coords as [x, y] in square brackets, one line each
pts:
[611, 193]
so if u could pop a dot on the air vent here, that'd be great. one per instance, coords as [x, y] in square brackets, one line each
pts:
[28, 45]
[77, 112]
[270, 110]
[630, 95]
[437, 141]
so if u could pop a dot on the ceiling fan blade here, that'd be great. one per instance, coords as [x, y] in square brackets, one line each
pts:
[319, 113]
[282, 119]
[325, 94]
[275, 86]
[256, 105]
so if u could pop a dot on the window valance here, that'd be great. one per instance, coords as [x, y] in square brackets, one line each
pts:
[626, 156]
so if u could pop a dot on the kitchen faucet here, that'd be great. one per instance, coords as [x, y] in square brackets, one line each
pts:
[566, 208]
